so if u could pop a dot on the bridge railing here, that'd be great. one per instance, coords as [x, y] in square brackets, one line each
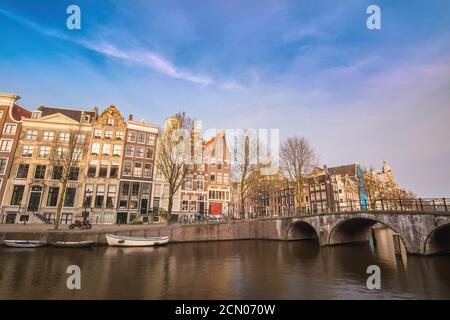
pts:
[379, 205]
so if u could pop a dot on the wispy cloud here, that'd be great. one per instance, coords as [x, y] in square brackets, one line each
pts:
[143, 57]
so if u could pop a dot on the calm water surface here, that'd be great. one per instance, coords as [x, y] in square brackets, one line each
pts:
[251, 269]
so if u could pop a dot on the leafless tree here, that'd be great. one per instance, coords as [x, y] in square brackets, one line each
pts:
[174, 153]
[65, 157]
[245, 163]
[297, 159]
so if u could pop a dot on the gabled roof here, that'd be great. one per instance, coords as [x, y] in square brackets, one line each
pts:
[18, 112]
[74, 114]
[350, 170]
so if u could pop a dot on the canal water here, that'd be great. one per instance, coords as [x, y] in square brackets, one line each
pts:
[250, 269]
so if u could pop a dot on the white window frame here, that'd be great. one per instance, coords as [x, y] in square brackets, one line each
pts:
[10, 125]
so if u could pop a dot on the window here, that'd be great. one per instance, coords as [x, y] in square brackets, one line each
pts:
[141, 137]
[88, 193]
[147, 170]
[10, 128]
[188, 184]
[52, 198]
[149, 153]
[44, 152]
[119, 135]
[139, 152]
[111, 121]
[125, 191]
[6, 145]
[199, 183]
[131, 136]
[99, 195]
[77, 154]
[1, 113]
[60, 152]
[48, 136]
[22, 171]
[219, 178]
[106, 149]
[135, 189]
[137, 172]
[17, 195]
[39, 172]
[81, 138]
[103, 172]
[69, 199]
[92, 169]
[193, 206]
[184, 205]
[145, 190]
[3, 163]
[73, 173]
[212, 177]
[151, 139]
[127, 167]
[95, 148]
[27, 151]
[31, 134]
[225, 178]
[57, 172]
[97, 133]
[110, 199]
[117, 150]
[129, 150]
[64, 137]
[36, 114]
[113, 172]
[108, 134]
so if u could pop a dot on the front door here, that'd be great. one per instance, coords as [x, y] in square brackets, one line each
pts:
[122, 217]
[35, 199]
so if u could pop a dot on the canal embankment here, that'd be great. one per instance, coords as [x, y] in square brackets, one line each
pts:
[237, 230]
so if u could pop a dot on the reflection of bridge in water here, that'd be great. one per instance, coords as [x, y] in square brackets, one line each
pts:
[423, 226]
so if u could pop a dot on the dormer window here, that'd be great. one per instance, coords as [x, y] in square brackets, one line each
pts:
[36, 114]
[110, 121]
[85, 118]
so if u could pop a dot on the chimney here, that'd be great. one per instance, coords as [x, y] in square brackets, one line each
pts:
[130, 117]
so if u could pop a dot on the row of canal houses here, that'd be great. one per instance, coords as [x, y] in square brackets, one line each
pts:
[116, 180]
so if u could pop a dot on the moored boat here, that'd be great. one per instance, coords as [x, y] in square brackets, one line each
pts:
[122, 241]
[73, 244]
[24, 243]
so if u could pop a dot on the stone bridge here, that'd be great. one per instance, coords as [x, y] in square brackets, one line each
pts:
[421, 232]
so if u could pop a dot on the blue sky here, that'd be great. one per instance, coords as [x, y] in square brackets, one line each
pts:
[310, 68]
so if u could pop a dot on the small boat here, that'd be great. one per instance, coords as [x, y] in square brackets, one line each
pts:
[122, 241]
[74, 244]
[24, 243]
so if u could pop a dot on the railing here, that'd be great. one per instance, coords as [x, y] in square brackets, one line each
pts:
[438, 205]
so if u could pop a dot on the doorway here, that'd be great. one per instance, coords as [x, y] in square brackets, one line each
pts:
[35, 199]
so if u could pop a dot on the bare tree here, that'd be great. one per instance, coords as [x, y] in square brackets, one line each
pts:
[66, 159]
[174, 153]
[245, 163]
[297, 159]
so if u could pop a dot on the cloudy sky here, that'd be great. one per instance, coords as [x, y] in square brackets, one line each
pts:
[310, 68]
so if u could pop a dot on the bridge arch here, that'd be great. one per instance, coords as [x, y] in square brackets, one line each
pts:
[438, 241]
[357, 229]
[301, 230]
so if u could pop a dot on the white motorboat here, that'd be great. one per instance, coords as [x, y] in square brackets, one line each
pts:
[24, 243]
[122, 241]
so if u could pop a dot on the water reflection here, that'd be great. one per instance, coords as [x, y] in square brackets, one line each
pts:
[251, 269]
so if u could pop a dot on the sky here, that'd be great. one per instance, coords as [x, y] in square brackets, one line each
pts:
[307, 68]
